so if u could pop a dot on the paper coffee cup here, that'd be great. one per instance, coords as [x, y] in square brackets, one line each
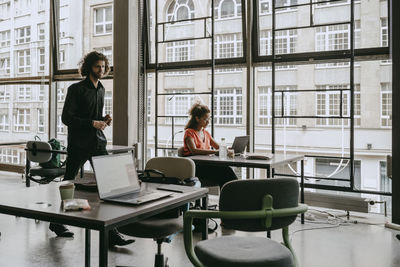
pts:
[67, 191]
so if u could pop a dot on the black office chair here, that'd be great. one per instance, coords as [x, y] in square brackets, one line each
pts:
[36, 151]
[161, 228]
[252, 206]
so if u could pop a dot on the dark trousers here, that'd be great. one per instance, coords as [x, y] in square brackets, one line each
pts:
[77, 157]
[211, 175]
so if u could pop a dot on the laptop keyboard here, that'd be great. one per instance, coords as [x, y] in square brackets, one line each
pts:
[147, 196]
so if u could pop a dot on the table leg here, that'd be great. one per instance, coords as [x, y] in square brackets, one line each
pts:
[103, 248]
[269, 172]
[204, 206]
[87, 247]
[302, 188]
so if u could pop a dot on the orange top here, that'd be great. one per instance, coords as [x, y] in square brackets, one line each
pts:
[200, 144]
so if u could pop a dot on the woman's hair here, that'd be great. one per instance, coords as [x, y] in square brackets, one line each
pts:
[89, 60]
[197, 110]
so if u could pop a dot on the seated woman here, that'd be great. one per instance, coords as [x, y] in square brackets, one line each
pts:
[198, 141]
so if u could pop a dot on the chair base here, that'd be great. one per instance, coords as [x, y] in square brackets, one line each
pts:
[160, 262]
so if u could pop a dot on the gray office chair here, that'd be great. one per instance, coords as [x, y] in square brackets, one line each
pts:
[249, 205]
[204, 182]
[36, 151]
[159, 228]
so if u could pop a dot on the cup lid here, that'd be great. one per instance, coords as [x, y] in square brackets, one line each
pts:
[67, 186]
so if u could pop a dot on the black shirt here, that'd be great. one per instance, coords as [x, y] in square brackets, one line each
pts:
[83, 104]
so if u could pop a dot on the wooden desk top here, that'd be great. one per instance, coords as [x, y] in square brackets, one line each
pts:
[43, 203]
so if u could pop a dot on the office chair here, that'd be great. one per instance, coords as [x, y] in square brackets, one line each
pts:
[36, 151]
[204, 182]
[161, 228]
[252, 206]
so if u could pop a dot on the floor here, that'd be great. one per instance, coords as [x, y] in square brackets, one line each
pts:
[322, 242]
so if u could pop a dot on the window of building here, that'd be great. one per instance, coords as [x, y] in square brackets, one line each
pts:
[107, 51]
[5, 38]
[228, 45]
[386, 105]
[4, 124]
[178, 105]
[227, 8]
[328, 104]
[41, 93]
[9, 155]
[103, 20]
[108, 108]
[24, 93]
[148, 106]
[285, 42]
[41, 31]
[357, 105]
[385, 182]
[265, 105]
[60, 125]
[22, 7]
[23, 35]
[180, 10]
[336, 37]
[60, 94]
[40, 120]
[4, 93]
[5, 64]
[384, 32]
[228, 106]
[61, 56]
[264, 6]
[180, 51]
[41, 59]
[22, 120]
[5, 10]
[24, 61]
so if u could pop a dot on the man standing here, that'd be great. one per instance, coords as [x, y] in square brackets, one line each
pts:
[83, 114]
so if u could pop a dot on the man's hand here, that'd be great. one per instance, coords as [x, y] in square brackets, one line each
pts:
[99, 125]
[108, 119]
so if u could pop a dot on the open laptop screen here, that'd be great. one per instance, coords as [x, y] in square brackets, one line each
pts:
[115, 174]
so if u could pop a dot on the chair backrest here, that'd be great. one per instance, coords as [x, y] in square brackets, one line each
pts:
[245, 195]
[38, 156]
[181, 168]
[180, 152]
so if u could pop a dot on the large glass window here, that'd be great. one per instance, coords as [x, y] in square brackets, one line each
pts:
[5, 38]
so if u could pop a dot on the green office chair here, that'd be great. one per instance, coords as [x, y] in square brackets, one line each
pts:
[162, 228]
[36, 151]
[249, 205]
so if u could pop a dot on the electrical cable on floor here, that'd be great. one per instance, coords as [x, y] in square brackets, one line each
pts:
[333, 222]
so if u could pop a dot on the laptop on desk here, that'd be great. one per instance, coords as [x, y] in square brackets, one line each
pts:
[117, 180]
[240, 143]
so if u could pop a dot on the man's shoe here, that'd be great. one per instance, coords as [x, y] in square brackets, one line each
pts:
[116, 239]
[60, 230]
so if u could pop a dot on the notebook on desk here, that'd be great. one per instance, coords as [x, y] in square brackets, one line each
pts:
[117, 180]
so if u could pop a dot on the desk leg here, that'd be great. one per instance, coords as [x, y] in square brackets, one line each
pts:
[87, 247]
[269, 172]
[302, 188]
[103, 248]
[27, 168]
[204, 206]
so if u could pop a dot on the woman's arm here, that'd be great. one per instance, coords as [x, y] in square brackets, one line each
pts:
[195, 151]
[213, 143]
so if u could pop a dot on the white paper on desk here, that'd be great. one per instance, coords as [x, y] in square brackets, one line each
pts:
[258, 156]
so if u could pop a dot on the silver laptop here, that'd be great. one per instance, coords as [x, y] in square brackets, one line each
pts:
[117, 180]
[240, 143]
